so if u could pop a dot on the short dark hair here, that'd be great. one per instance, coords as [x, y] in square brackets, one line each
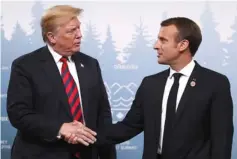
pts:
[188, 30]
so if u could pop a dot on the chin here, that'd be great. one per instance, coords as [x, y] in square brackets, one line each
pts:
[77, 49]
[162, 62]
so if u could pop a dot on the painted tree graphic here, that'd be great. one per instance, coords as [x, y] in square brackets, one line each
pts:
[109, 53]
[36, 40]
[19, 43]
[210, 53]
[139, 44]
[90, 42]
[141, 51]
[4, 49]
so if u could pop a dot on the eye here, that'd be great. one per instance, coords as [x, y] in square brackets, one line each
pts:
[163, 40]
[71, 31]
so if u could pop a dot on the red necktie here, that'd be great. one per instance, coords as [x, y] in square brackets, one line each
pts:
[72, 93]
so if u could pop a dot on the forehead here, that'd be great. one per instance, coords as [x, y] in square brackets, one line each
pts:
[72, 23]
[168, 31]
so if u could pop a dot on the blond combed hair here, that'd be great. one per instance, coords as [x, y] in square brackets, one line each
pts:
[57, 16]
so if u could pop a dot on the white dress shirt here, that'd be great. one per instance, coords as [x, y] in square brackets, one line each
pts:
[71, 67]
[186, 71]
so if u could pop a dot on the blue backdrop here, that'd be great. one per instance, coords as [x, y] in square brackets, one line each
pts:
[122, 42]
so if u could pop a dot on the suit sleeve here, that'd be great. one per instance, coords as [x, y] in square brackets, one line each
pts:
[105, 118]
[129, 127]
[20, 107]
[222, 121]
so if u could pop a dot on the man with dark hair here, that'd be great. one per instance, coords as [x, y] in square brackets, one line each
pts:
[186, 111]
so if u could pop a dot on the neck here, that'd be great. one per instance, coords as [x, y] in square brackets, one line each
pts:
[59, 51]
[179, 65]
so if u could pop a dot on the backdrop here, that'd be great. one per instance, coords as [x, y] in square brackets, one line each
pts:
[121, 36]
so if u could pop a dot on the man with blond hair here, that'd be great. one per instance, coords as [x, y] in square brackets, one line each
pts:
[57, 92]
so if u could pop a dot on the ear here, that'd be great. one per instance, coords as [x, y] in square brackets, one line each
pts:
[51, 37]
[183, 45]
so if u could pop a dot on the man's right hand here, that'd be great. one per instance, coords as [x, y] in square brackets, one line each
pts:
[75, 132]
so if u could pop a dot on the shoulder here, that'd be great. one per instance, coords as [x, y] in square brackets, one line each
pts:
[28, 58]
[157, 76]
[85, 57]
[214, 76]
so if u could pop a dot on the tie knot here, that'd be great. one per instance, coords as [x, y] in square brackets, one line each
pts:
[177, 76]
[64, 59]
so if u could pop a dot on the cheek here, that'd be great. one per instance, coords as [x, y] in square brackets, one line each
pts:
[167, 51]
[165, 48]
[67, 38]
[68, 41]
[63, 40]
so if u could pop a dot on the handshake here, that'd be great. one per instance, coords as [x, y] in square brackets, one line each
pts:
[75, 133]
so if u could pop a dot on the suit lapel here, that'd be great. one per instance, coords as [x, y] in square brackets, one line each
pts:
[188, 92]
[159, 92]
[52, 72]
[83, 77]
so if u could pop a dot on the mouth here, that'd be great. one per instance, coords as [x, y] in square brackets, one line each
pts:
[78, 43]
[159, 54]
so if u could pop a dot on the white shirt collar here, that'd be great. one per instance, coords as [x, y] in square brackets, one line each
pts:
[56, 55]
[186, 71]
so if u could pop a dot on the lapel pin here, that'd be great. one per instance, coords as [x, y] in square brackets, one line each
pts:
[82, 65]
[193, 83]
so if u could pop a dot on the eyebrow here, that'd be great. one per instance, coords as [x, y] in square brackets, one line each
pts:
[162, 38]
[73, 27]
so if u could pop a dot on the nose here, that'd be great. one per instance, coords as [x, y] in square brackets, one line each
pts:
[157, 45]
[78, 35]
